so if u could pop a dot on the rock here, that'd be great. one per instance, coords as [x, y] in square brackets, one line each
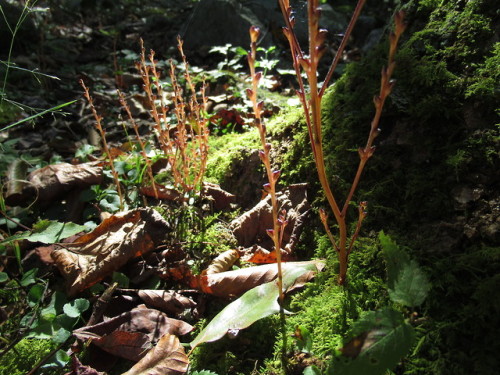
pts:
[218, 22]
[462, 194]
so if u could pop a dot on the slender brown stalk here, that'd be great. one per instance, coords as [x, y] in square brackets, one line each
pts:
[343, 43]
[279, 220]
[272, 176]
[104, 143]
[312, 109]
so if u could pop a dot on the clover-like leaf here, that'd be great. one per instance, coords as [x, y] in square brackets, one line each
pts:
[75, 308]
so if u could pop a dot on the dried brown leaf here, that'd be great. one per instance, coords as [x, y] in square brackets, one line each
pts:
[166, 358]
[221, 198]
[223, 262]
[258, 255]
[161, 192]
[166, 300]
[78, 369]
[250, 228]
[123, 344]
[235, 283]
[130, 334]
[109, 246]
[50, 182]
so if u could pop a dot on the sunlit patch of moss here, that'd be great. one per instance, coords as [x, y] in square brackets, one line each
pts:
[24, 356]
[225, 149]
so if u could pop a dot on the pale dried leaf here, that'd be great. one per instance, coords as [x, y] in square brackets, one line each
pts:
[221, 199]
[223, 262]
[50, 182]
[166, 358]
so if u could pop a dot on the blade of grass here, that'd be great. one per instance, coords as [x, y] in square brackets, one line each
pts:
[53, 109]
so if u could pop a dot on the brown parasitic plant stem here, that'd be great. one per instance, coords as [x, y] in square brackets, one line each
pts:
[311, 103]
[105, 144]
[272, 176]
[185, 142]
[279, 219]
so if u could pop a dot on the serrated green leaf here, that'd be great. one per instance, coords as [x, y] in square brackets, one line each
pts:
[3, 277]
[60, 360]
[386, 339]
[57, 301]
[394, 257]
[254, 305]
[407, 283]
[66, 322]
[411, 286]
[43, 329]
[55, 232]
[74, 309]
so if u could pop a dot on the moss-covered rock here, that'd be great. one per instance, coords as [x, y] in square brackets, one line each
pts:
[433, 181]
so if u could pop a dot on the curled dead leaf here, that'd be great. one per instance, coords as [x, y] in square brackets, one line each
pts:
[234, 283]
[161, 192]
[221, 198]
[223, 262]
[131, 334]
[166, 358]
[50, 182]
[258, 255]
[78, 369]
[109, 246]
[166, 300]
[250, 228]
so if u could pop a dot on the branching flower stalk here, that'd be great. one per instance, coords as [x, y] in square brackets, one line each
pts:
[101, 131]
[184, 144]
[311, 103]
[279, 219]
[144, 153]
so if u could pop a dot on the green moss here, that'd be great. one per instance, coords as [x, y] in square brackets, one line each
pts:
[437, 104]
[25, 354]
[225, 150]
[484, 82]
[240, 355]
[326, 309]
[462, 312]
